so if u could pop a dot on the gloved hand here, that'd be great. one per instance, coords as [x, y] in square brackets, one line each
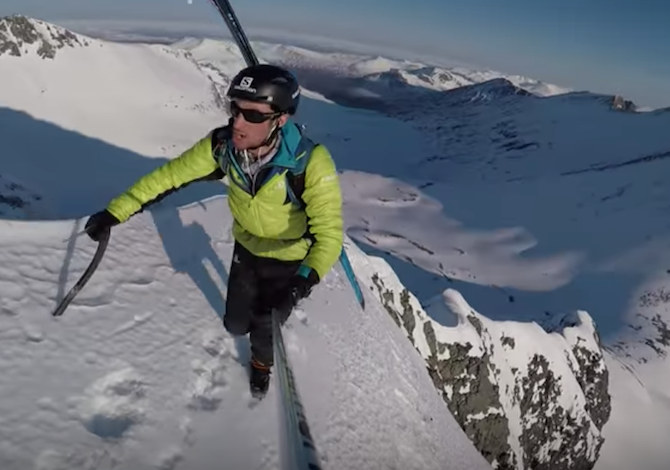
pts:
[297, 289]
[99, 223]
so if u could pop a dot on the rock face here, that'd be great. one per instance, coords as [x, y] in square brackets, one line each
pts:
[21, 36]
[621, 104]
[529, 396]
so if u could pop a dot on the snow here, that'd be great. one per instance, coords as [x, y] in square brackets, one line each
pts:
[572, 195]
[637, 430]
[395, 217]
[139, 372]
[224, 55]
[513, 210]
[563, 204]
[410, 72]
[528, 208]
[100, 74]
[513, 354]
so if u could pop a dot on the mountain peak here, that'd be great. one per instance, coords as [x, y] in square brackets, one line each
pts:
[500, 86]
[491, 90]
[21, 35]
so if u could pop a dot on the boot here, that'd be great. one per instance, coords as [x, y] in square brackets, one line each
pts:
[259, 379]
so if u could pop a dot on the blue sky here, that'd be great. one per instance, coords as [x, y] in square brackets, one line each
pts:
[610, 46]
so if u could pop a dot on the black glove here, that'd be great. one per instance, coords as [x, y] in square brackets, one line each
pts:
[298, 288]
[99, 223]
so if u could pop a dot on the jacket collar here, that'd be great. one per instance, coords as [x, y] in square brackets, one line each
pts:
[290, 137]
[289, 142]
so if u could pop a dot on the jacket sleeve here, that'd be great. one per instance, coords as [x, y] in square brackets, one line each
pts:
[323, 199]
[196, 163]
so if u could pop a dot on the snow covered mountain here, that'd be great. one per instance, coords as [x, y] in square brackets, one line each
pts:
[544, 190]
[139, 372]
[528, 397]
[372, 82]
[22, 36]
[519, 365]
[555, 204]
[395, 72]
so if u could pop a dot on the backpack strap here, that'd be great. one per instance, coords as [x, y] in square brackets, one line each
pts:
[295, 178]
[220, 137]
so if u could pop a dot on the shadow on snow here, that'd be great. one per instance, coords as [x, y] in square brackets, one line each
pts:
[77, 175]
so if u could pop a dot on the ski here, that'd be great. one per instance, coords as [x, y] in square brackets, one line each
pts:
[226, 10]
[349, 271]
[299, 449]
[302, 453]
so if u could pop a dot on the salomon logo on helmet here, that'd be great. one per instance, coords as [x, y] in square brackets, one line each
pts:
[269, 84]
[245, 84]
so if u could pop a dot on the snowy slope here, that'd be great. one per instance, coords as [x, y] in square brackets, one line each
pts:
[591, 200]
[139, 372]
[532, 207]
[528, 396]
[537, 207]
[541, 206]
[100, 73]
[106, 91]
[518, 388]
[393, 204]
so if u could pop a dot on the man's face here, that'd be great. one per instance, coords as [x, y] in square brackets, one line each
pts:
[247, 133]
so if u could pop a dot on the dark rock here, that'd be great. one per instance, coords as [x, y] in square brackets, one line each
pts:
[18, 31]
[489, 374]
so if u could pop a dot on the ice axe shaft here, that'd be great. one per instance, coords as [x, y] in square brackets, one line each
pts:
[79, 285]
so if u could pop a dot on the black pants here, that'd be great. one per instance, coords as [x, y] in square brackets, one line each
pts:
[253, 283]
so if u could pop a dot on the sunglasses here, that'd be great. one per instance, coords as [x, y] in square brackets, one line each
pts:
[250, 115]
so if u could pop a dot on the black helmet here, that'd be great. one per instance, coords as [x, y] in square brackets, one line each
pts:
[267, 84]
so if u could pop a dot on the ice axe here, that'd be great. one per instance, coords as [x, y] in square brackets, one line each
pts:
[97, 257]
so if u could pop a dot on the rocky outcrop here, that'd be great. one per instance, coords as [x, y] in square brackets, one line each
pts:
[20, 36]
[621, 104]
[529, 396]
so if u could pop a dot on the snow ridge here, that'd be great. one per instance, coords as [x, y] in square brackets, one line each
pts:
[528, 396]
[393, 72]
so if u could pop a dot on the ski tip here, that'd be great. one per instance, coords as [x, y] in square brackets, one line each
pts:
[361, 301]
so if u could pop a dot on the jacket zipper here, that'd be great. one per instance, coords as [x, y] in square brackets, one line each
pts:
[249, 180]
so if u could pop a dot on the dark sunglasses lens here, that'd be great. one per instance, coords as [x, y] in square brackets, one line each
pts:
[250, 115]
[255, 117]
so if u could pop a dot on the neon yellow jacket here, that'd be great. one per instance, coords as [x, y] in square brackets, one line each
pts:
[266, 222]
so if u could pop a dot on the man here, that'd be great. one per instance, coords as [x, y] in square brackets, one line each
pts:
[284, 243]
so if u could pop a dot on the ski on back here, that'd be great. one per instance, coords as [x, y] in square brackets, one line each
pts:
[226, 10]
